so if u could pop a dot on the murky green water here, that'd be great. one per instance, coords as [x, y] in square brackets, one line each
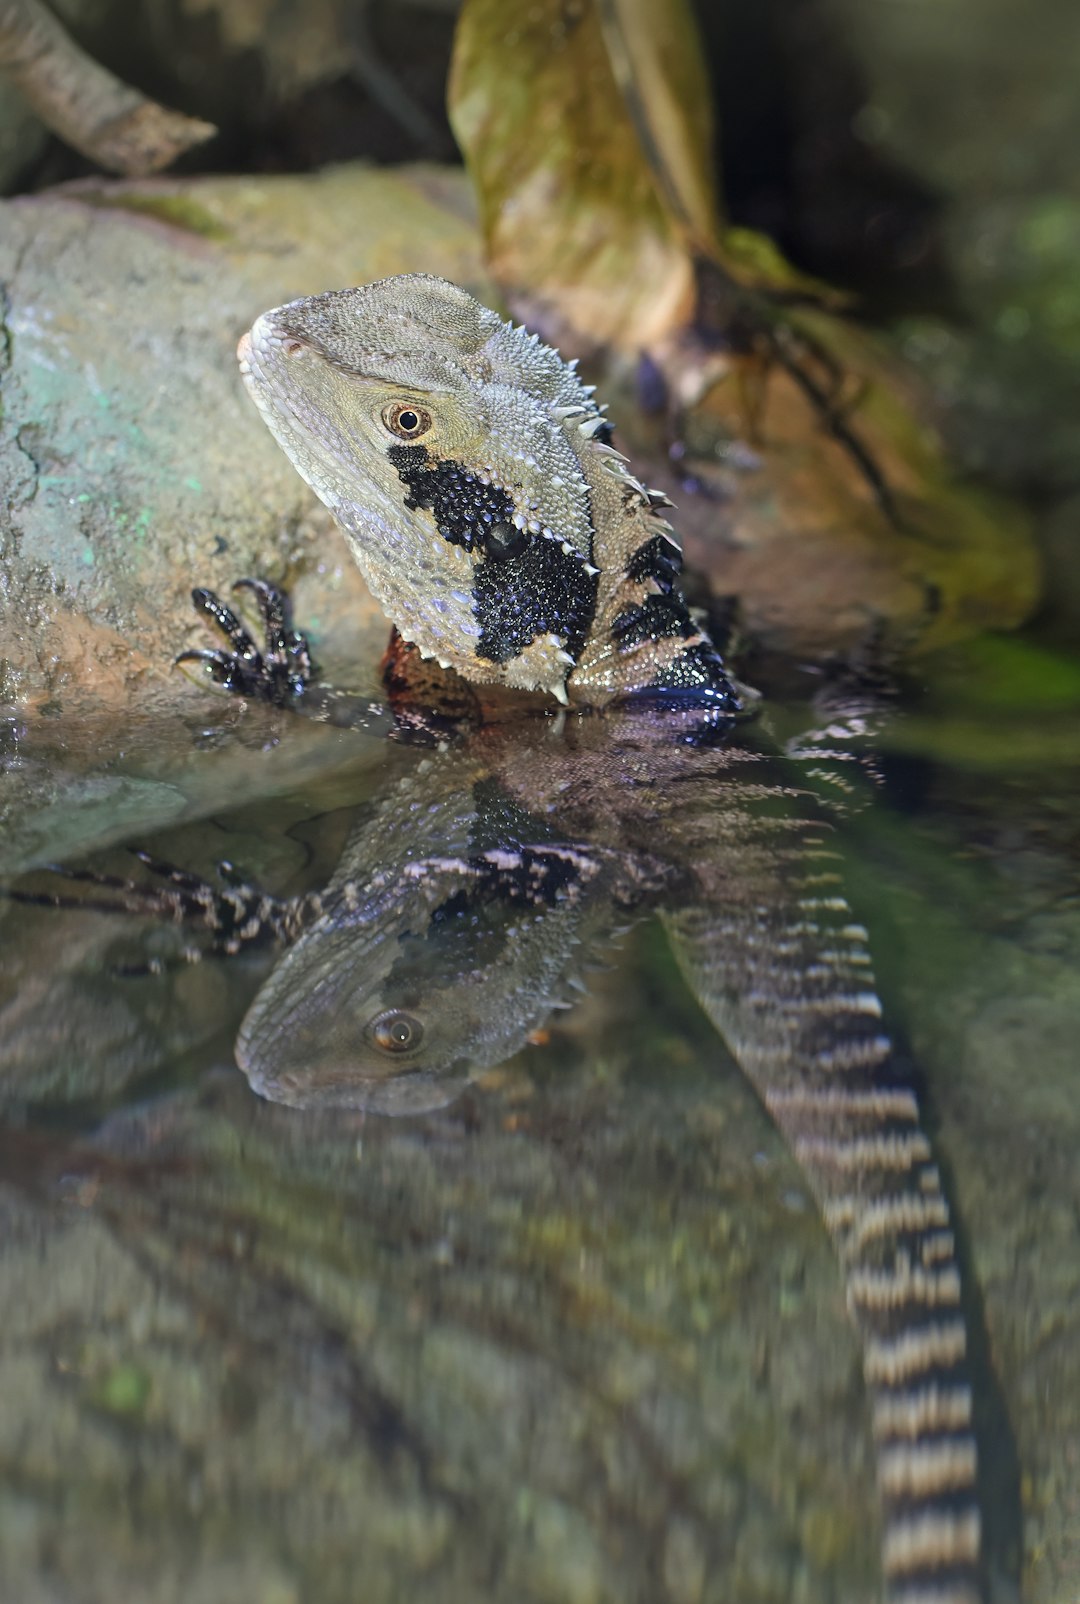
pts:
[576, 1336]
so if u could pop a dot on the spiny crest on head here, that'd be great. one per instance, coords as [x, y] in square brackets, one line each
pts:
[414, 327]
[521, 358]
[435, 333]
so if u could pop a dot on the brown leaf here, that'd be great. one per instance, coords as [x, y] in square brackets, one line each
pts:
[572, 213]
[586, 128]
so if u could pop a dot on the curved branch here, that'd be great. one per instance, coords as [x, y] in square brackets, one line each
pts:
[83, 103]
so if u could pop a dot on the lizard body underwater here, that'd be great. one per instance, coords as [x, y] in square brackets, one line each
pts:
[511, 546]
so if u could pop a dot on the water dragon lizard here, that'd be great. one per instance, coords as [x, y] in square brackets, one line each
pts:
[523, 566]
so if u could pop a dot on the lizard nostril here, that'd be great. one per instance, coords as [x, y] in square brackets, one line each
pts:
[292, 347]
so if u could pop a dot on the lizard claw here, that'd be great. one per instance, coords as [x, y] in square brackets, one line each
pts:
[279, 672]
[221, 667]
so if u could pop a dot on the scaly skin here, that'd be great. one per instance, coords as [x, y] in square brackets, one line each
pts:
[474, 479]
[471, 474]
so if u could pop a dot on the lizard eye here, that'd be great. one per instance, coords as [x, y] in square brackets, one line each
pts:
[406, 420]
[395, 1032]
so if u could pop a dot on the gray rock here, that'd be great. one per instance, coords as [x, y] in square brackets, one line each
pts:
[133, 464]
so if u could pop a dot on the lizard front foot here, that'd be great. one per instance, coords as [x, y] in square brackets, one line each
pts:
[278, 673]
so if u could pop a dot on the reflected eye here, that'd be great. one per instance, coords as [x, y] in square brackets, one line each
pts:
[405, 420]
[395, 1032]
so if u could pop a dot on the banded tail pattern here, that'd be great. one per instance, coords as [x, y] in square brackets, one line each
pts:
[783, 970]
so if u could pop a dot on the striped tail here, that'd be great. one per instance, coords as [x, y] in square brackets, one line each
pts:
[783, 972]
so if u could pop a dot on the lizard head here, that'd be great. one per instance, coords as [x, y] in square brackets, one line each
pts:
[396, 998]
[439, 437]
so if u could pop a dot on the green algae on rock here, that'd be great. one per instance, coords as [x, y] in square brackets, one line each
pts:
[134, 465]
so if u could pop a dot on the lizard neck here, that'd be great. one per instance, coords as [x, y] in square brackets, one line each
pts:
[643, 637]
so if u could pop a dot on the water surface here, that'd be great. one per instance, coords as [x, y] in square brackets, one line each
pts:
[578, 1335]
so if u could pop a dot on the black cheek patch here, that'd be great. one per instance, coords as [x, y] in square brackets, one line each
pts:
[538, 591]
[463, 506]
[441, 953]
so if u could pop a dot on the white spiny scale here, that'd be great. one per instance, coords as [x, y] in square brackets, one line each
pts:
[590, 426]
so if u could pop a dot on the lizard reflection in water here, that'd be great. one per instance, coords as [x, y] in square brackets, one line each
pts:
[474, 479]
[466, 908]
